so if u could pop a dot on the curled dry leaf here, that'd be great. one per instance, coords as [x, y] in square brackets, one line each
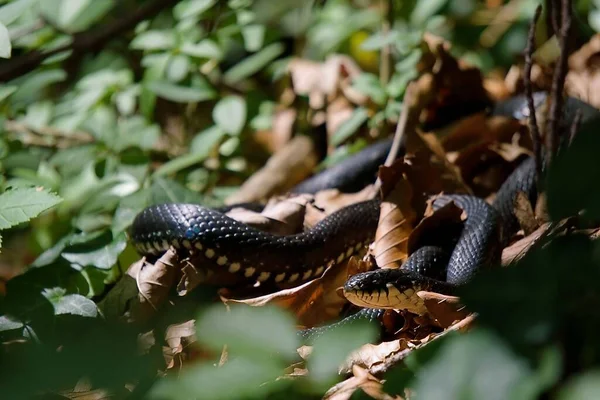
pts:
[154, 281]
[314, 302]
[321, 81]
[362, 380]
[280, 217]
[286, 168]
[179, 338]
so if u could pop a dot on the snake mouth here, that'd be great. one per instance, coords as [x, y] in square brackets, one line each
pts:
[390, 298]
[391, 289]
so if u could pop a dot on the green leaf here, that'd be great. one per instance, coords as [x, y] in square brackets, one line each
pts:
[202, 145]
[154, 40]
[21, 205]
[334, 346]
[206, 48]
[425, 10]
[5, 46]
[238, 378]
[182, 94]
[251, 65]
[582, 387]
[482, 367]
[266, 330]
[32, 84]
[254, 36]
[192, 8]
[178, 68]
[104, 257]
[349, 127]
[379, 40]
[7, 324]
[6, 90]
[370, 85]
[75, 304]
[70, 10]
[13, 10]
[165, 190]
[230, 114]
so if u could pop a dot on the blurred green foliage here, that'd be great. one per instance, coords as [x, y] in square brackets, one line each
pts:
[165, 113]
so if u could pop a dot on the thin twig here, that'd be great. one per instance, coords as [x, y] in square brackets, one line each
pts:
[83, 42]
[386, 52]
[42, 131]
[409, 95]
[558, 82]
[533, 125]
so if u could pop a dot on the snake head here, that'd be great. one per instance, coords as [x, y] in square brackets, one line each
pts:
[391, 289]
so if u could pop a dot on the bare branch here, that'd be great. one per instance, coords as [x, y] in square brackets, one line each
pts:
[558, 81]
[533, 125]
[86, 41]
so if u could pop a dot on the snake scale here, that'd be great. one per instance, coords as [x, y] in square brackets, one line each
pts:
[253, 256]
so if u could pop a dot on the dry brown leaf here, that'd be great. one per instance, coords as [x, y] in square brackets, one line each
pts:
[518, 249]
[321, 81]
[179, 338]
[583, 78]
[443, 309]
[282, 128]
[396, 220]
[362, 380]
[154, 281]
[286, 168]
[338, 112]
[314, 302]
[328, 201]
[524, 213]
[280, 217]
[394, 358]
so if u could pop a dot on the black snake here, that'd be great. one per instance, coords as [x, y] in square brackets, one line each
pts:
[250, 255]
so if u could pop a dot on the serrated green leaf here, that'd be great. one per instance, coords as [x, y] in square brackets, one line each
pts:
[103, 258]
[75, 304]
[230, 114]
[21, 205]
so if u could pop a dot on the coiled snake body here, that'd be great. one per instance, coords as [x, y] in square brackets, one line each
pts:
[255, 256]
